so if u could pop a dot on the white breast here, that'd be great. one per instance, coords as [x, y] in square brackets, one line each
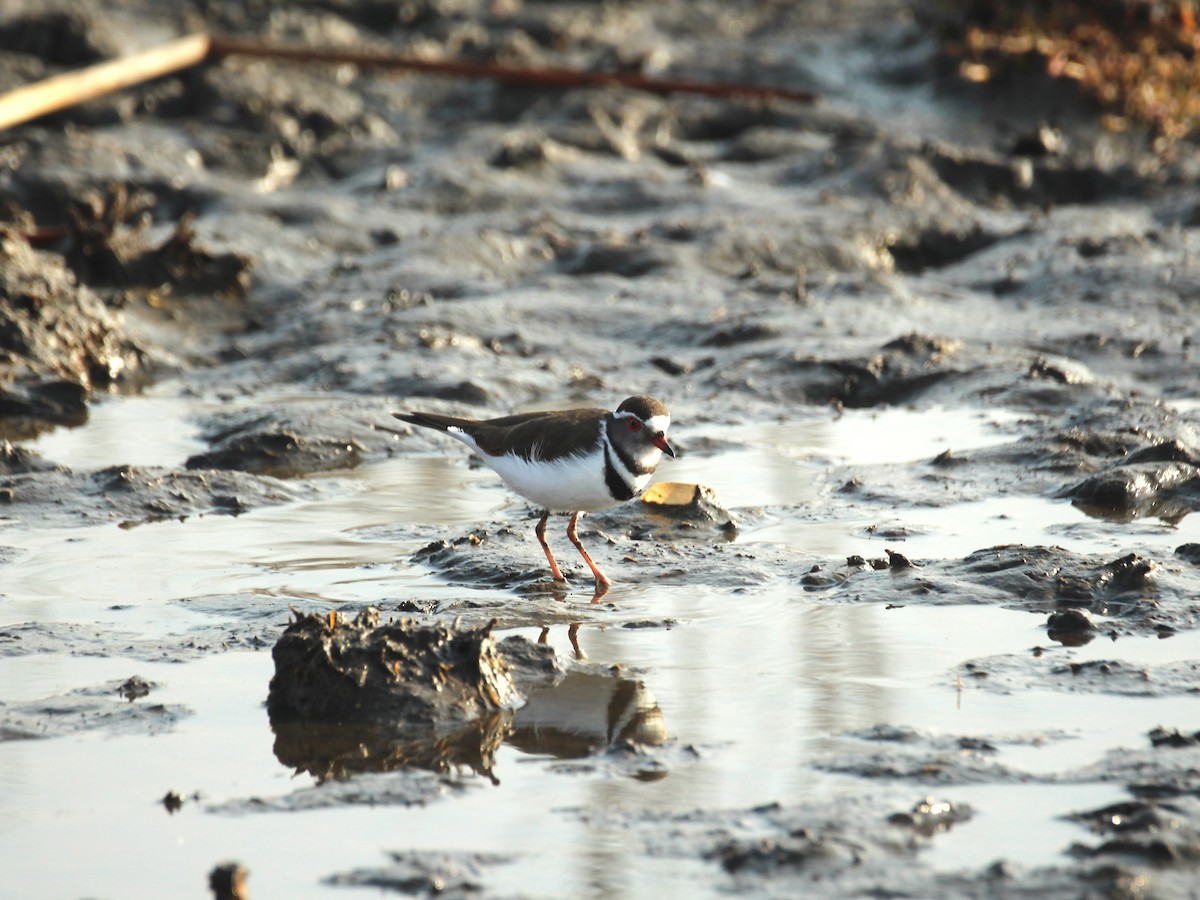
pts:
[573, 484]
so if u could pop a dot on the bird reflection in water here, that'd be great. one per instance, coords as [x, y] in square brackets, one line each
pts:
[586, 713]
[572, 636]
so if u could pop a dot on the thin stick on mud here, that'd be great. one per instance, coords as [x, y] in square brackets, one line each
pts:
[533, 76]
[70, 88]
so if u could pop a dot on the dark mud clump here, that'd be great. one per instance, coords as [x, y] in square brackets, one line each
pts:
[15, 460]
[890, 752]
[1150, 840]
[814, 853]
[355, 696]
[134, 495]
[280, 453]
[1160, 480]
[1130, 594]
[470, 557]
[689, 506]
[64, 328]
[675, 530]
[1148, 831]
[904, 368]
[1173, 737]
[426, 874]
[114, 707]
[333, 669]
[1071, 627]
[58, 340]
[1042, 670]
[108, 246]
[317, 435]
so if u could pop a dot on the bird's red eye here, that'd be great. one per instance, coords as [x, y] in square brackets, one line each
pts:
[635, 425]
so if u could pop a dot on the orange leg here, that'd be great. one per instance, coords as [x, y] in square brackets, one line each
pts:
[602, 582]
[541, 536]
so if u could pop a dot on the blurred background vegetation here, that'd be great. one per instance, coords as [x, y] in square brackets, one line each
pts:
[1136, 58]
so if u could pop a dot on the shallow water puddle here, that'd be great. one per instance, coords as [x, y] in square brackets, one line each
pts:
[899, 434]
[779, 463]
[960, 529]
[764, 687]
[324, 548]
[784, 465]
[155, 428]
[343, 548]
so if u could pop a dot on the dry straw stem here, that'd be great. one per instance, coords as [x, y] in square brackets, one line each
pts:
[70, 88]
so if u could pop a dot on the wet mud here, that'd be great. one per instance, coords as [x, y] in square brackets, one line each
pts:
[1078, 594]
[330, 669]
[426, 874]
[133, 495]
[290, 253]
[115, 707]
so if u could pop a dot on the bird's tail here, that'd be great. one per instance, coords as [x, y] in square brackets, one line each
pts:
[432, 420]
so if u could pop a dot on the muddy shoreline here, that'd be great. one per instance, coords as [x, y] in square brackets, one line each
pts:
[286, 254]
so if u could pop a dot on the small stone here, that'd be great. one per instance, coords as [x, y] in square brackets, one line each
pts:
[228, 882]
[134, 688]
[173, 801]
[688, 502]
[1071, 627]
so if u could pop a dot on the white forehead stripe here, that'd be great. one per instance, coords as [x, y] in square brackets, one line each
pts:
[658, 423]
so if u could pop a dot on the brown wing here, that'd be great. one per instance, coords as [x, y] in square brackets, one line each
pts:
[536, 435]
[539, 435]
